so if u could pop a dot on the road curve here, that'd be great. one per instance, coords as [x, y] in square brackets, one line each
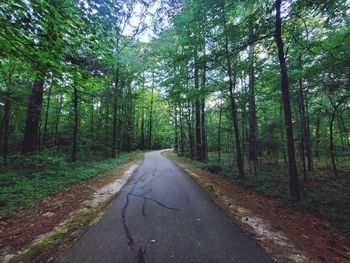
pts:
[161, 215]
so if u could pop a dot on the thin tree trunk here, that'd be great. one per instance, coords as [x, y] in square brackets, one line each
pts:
[252, 107]
[47, 113]
[5, 128]
[181, 132]
[282, 131]
[219, 135]
[92, 119]
[197, 109]
[151, 115]
[233, 111]
[204, 149]
[190, 133]
[34, 112]
[331, 143]
[176, 141]
[115, 109]
[58, 113]
[302, 130]
[143, 129]
[308, 144]
[107, 102]
[76, 123]
[318, 137]
[293, 172]
[233, 108]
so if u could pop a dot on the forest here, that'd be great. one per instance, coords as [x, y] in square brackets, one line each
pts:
[256, 91]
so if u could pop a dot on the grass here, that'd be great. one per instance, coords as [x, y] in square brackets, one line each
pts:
[323, 195]
[29, 179]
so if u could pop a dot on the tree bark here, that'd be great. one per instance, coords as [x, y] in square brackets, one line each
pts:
[75, 124]
[58, 113]
[107, 102]
[302, 130]
[143, 128]
[331, 143]
[92, 119]
[293, 172]
[197, 109]
[318, 137]
[115, 109]
[204, 150]
[308, 144]
[47, 112]
[190, 132]
[233, 108]
[34, 112]
[181, 132]
[219, 135]
[5, 128]
[252, 106]
[176, 141]
[151, 115]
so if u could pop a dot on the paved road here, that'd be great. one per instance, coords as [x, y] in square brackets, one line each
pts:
[162, 216]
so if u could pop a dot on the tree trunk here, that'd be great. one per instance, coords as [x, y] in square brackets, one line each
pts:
[331, 143]
[219, 135]
[115, 109]
[293, 172]
[58, 113]
[318, 137]
[92, 119]
[47, 112]
[197, 109]
[252, 106]
[143, 129]
[204, 149]
[308, 144]
[302, 130]
[151, 115]
[176, 141]
[233, 111]
[76, 123]
[233, 106]
[5, 128]
[33, 113]
[181, 132]
[107, 102]
[190, 133]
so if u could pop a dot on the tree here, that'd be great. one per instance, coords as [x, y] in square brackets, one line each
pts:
[293, 171]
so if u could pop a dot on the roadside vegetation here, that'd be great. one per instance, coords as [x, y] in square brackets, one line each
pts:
[30, 178]
[322, 195]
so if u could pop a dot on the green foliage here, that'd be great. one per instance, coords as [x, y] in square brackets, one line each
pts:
[48, 175]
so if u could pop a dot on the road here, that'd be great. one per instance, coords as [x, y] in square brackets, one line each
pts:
[161, 215]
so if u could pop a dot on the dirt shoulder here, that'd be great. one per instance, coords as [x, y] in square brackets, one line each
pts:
[65, 216]
[285, 234]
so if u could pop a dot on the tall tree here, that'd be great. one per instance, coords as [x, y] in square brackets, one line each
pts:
[293, 171]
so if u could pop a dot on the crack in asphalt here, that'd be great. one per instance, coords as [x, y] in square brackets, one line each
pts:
[141, 255]
[155, 201]
[125, 226]
[141, 179]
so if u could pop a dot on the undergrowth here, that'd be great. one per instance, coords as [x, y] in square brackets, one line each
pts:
[322, 194]
[30, 178]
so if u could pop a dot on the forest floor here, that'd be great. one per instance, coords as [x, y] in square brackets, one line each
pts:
[286, 233]
[66, 214]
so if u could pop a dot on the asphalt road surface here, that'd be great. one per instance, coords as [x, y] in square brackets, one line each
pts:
[162, 216]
